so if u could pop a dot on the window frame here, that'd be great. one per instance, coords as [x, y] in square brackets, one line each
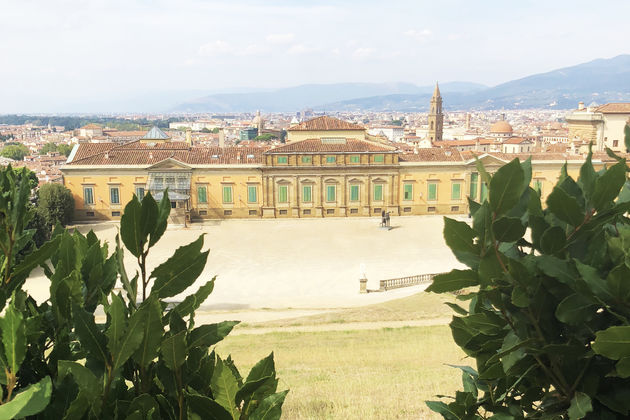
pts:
[354, 188]
[203, 188]
[138, 188]
[355, 159]
[111, 195]
[474, 185]
[306, 199]
[407, 189]
[251, 188]
[379, 196]
[282, 160]
[331, 159]
[457, 184]
[432, 195]
[380, 158]
[283, 190]
[230, 191]
[307, 159]
[91, 201]
[331, 189]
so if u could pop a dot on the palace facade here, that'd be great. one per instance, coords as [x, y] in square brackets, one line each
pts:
[327, 168]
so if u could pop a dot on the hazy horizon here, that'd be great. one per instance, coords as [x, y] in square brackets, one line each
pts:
[76, 56]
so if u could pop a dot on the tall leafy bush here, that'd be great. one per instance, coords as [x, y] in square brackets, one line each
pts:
[545, 307]
[143, 361]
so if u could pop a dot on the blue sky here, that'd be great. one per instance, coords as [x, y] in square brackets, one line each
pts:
[64, 54]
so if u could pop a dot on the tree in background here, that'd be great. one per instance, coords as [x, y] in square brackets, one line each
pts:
[265, 137]
[55, 204]
[48, 148]
[15, 151]
[64, 149]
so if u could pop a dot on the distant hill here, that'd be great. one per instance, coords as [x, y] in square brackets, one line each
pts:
[601, 81]
[308, 96]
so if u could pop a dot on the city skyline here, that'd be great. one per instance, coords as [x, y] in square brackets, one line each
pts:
[60, 55]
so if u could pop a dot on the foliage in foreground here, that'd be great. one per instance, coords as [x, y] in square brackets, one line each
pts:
[549, 324]
[144, 361]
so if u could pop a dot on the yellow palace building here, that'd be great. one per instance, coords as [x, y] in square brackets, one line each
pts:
[327, 168]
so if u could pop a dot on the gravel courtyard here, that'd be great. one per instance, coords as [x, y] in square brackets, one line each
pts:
[303, 264]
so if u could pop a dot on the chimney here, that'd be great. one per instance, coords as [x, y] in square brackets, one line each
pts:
[415, 150]
[221, 138]
[477, 143]
[189, 137]
[581, 106]
[467, 121]
[106, 155]
[150, 155]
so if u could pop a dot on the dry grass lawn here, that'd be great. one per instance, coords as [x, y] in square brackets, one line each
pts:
[384, 373]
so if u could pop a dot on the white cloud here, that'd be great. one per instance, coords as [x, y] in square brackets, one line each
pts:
[335, 51]
[214, 48]
[421, 35]
[300, 49]
[280, 38]
[252, 49]
[362, 53]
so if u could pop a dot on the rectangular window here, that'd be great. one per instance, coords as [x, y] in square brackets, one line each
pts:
[354, 211]
[474, 184]
[456, 191]
[484, 192]
[115, 214]
[202, 196]
[88, 195]
[406, 209]
[431, 209]
[203, 212]
[379, 158]
[227, 212]
[307, 211]
[307, 159]
[89, 213]
[331, 192]
[252, 194]
[283, 194]
[377, 210]
[454, 208]
[354, 193]
[355, 159]
[330, 211]
[114, 195]
[408, 192]
[140, 193]
[330, 159]
[283, 212]
[432, 191]
[227, 193]
[378, 192]
[306, 193]
[282, 159]
[253, 212]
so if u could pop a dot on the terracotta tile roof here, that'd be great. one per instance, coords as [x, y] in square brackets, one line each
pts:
[614, 108]
[433, 154]
[455, 143]
[117, 133]
[136, 153]
[325, 123]
[91, 126]
[317, 146]
[517, 140]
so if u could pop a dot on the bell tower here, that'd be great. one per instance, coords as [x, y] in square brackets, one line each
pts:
[436, 118]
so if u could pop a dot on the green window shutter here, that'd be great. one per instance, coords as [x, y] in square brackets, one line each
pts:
[114, 195]
[227, 194]
[378, 158]
[354, 193]
[408, 192]
[474, 184]
[330, 192]
[306, 193]
[88, 195]
[378, 192]
[306, 159]
[355, 159]
[538, 186]
[330, 159]
[283, 196]
[432, 193]
[202, 196]
[251, 194]
[484, 192]
[282, 159]
[456, 191]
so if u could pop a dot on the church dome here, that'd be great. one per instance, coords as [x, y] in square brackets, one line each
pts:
[257, 119]
[501, 127]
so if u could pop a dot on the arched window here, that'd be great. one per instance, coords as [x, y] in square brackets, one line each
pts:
[431, 125]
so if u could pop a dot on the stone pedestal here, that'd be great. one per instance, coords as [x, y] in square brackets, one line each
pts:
[363, 285]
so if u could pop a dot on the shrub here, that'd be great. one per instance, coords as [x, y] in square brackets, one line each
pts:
[143, 361]
[548, 325]
[55, 204]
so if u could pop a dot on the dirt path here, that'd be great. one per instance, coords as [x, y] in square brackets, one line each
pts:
[346, 326]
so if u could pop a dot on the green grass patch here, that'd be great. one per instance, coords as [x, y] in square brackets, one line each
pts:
[367, 374]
